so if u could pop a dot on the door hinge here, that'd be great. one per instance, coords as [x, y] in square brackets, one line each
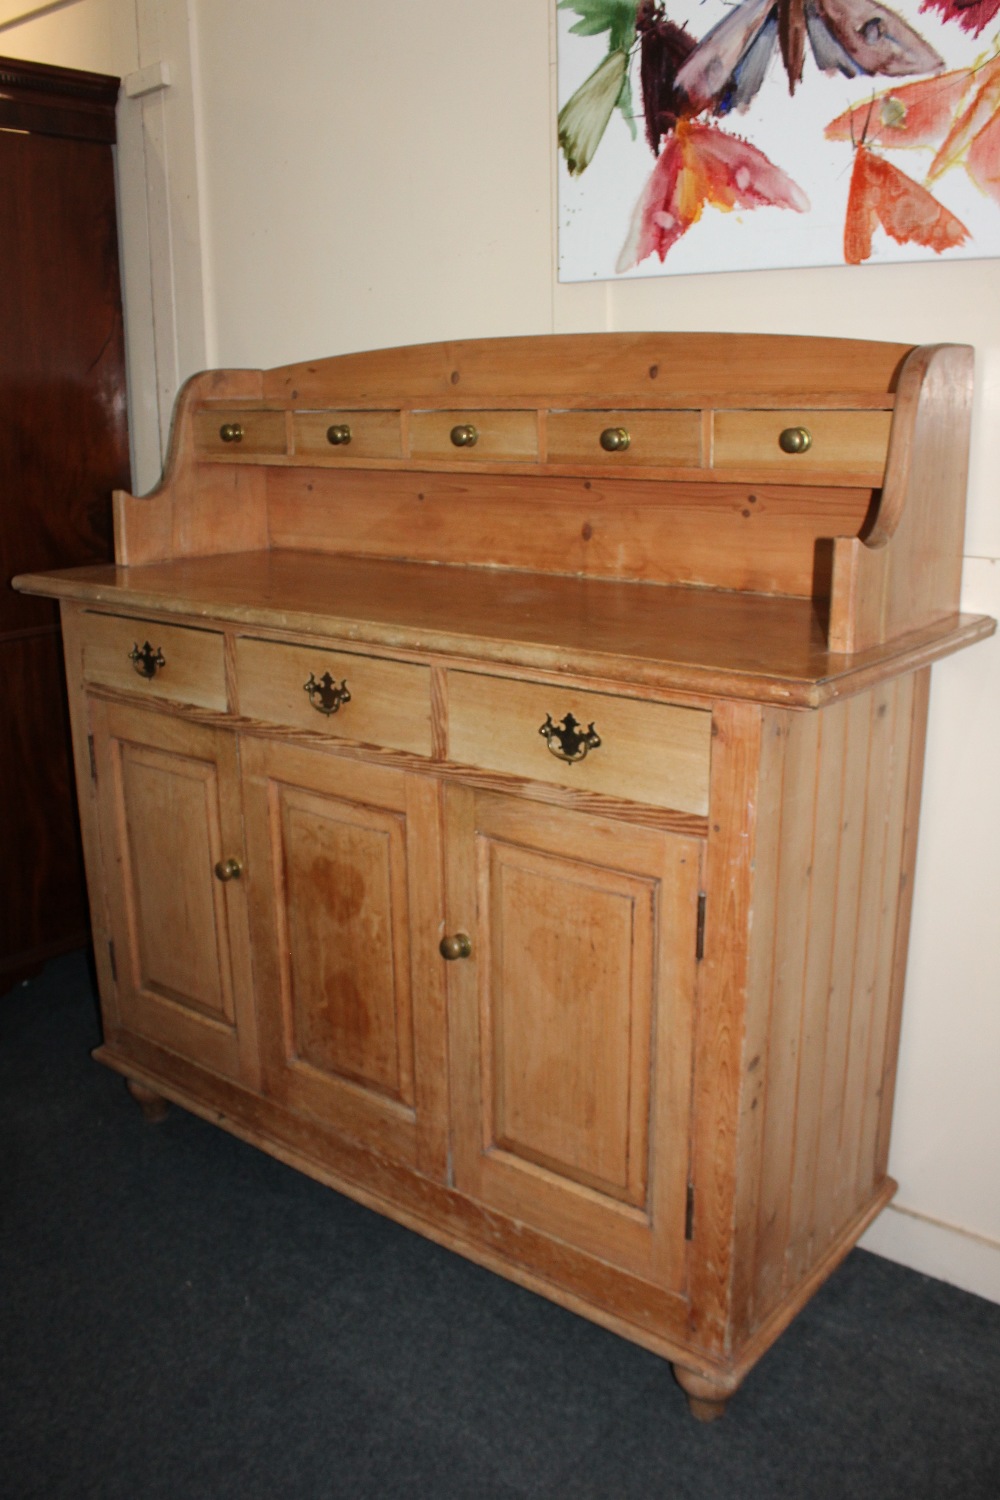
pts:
[93, 757]
[699, 942]
[111, 958]
[689, 1213]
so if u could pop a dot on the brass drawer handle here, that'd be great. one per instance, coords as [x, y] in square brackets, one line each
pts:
[231, 432]
[795, 440]
[459, 945]
[569, 740]
[615, 439]
[465, 436]
[147, 660]
[228, 869]
[325, 696]
[339, 434]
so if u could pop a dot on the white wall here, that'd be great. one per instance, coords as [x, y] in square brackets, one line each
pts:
[323, 175]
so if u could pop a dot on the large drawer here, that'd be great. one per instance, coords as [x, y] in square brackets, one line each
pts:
[389, 702]
[176, 662]
[804, 445]
[648, 752]
[486, 436]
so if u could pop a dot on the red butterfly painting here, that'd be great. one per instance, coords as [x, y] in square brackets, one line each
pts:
[971, 15]
[701, 165]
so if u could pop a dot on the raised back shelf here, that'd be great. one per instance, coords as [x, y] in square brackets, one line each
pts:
[802, 468]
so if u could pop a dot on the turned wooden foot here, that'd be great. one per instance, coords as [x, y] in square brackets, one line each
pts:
[706, 1400]
[154, 1107]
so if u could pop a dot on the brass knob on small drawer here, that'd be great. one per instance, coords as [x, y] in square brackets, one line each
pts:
[615, 439]
[231, 432]
[339, 434]
[147, 660]
[465, 436]
[228, 869]
[795, 440]
[459, 945]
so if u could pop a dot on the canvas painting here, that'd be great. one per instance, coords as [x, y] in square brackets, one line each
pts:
[725, 135]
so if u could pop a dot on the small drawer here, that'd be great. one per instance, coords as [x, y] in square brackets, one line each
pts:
[230, 432]
[154, 660]
[668, 438]
[486, 436]
[648, 752]
[364, 698]
[804, 444]
[347, 434]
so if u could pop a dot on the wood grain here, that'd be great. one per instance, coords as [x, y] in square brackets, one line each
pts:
[622, 1028]
[648, 752]
[663, 365]
[755, 535]
[262, 432]
[193, 669]
[389, 704]
[374, 434]
[572, 916]
[719, 1048]
[345, 903]
[169, 809]
[906, 568]
[63, 448]
[510, 436]
[688, 641]
[669, 438]
[843, 443]
[832, 799]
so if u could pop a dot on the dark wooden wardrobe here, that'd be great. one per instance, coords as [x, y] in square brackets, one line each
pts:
[63, 448]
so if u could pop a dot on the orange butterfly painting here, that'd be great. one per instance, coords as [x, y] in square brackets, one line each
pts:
[881, 195]
[726, 102]
[956, 114]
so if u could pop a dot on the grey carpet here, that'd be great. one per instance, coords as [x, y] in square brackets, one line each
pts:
[182, 1318]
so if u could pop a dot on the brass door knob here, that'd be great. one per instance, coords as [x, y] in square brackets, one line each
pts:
[228, 869]
[459, 945]
[465, 436]
[795, 440]
[231, 432]
[615, 439]
[339, 434]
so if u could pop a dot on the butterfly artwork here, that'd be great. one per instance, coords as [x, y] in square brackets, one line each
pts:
[710, 135]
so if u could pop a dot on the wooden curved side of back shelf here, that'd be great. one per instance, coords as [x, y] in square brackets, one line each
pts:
[193, 512]
[906, 571]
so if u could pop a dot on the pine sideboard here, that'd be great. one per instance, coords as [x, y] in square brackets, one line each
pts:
[499, 768]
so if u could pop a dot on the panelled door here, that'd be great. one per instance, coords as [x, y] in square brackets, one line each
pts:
[346, 912]
[571, 1024]
[172, 849]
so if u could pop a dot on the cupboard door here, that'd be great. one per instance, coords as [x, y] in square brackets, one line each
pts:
[346, 914]
[571, 1025]
[172, 849]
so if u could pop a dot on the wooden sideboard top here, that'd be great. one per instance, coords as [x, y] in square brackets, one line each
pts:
[702, 642]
